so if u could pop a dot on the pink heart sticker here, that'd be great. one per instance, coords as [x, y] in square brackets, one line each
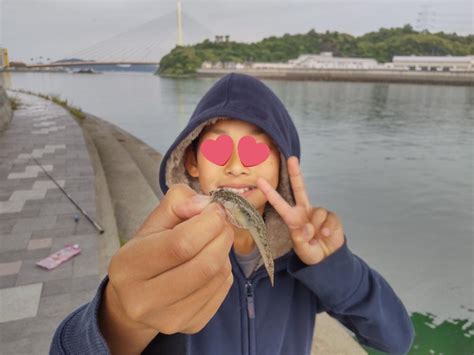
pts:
[218, 151]
[252, 153]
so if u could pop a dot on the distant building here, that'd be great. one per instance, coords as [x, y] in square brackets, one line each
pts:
[220, 39]
[263, 65]
[220, 65]
[434, 63]
[324, 60]
[4, 61]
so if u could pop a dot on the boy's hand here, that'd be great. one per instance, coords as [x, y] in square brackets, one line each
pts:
[172, 276]
[325, 233]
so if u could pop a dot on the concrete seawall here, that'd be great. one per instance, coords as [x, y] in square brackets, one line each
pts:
[392, 76]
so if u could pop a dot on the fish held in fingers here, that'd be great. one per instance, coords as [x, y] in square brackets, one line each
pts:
[243, 214]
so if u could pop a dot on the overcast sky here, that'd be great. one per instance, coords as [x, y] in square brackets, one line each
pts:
[58, 28]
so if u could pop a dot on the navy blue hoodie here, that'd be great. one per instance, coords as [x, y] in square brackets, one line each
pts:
[256, 318]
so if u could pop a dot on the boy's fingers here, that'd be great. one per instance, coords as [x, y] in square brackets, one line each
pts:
[330, 224]
[182, 277]
[180, 203]
[303, 234]
[322, 245]
[297, 183]
[200, 306]
[293, 216]
[326, 222]
[318, 217]
[278, 202]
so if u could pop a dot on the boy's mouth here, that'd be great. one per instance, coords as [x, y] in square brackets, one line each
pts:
[244, 190]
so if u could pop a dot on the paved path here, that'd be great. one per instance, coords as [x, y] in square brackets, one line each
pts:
[37, 219]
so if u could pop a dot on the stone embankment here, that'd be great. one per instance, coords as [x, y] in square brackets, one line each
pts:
[390, 76]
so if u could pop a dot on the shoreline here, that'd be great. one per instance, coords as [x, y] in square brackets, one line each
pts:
[386, 76]
[331, 75]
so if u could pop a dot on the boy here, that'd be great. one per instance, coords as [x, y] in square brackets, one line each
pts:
[189, 282]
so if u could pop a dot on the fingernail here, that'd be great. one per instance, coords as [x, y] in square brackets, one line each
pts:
[201, 200]
[326, 232]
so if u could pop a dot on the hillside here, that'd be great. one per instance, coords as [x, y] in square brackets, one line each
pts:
[381, 45]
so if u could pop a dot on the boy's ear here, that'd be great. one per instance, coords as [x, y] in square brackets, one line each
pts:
[190, 162]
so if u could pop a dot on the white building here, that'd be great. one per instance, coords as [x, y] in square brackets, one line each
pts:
[325, 60]
[434, 63]
[221, 39]
[220, 65]
[271, 66]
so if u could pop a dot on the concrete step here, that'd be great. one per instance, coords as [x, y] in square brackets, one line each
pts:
[108, 241]
[147, 159]
[132, 197]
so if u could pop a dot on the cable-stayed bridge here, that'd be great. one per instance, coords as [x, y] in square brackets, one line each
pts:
[144, 44]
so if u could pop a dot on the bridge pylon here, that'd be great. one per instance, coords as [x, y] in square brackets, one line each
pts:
[179, 31]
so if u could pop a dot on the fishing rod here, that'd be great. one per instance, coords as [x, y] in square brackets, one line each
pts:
[95, 224]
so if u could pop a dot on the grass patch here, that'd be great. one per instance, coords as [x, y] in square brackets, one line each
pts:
[73, 110]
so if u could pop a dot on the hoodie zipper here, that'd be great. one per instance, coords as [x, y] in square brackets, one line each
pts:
[251, 315]
[250, 303]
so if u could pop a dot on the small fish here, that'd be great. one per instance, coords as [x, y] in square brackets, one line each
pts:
[243, 214]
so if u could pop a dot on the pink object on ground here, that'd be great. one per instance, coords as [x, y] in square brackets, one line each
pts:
[59, 257]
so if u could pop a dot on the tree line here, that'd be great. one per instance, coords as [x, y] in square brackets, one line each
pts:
[381, 46]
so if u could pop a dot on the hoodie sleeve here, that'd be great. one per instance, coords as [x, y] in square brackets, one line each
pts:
[79, 332]
[359, 297]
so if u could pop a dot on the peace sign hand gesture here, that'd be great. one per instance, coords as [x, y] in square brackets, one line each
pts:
[316, 232]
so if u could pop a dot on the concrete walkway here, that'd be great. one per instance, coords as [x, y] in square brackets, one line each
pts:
[37, 219]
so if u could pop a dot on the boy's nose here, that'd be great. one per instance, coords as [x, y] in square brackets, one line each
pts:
[234, 165]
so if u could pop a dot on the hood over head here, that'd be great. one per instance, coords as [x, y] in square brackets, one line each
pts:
[242, 97]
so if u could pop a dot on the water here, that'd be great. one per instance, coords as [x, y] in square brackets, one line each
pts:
[394, 161]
